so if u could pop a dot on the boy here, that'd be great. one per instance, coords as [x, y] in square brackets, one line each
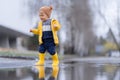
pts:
[47, 32]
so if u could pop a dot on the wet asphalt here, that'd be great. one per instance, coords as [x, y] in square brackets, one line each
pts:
[70, 69]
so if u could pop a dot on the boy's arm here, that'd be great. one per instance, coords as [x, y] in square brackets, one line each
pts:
[56, 25]
[35, 31]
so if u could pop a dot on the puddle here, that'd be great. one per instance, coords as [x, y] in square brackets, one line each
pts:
[68, 71]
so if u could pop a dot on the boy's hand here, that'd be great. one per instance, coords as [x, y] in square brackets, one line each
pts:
[55, 25]
[30, 30]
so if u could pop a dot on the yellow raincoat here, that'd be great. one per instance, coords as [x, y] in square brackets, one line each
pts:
[38, 31]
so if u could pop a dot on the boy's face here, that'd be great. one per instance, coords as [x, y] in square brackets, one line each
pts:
[43, 16]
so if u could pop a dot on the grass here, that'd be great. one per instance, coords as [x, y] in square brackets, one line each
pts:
[22, 54]
[15, 53]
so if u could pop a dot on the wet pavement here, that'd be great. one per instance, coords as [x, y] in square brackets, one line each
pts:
[71, 69]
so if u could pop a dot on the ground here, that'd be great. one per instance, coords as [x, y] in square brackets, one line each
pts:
[91, 68]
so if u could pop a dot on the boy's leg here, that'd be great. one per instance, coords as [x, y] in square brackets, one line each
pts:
[51, 50]
[55, 59]
[41, 55]
[41, 60]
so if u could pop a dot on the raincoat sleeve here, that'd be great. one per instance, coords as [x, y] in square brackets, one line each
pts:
[58, 26]
[35, 31]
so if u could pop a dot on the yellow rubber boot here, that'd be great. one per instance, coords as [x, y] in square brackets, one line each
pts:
[55, 60]
[41, 59]
[41, 71]
[55, 71]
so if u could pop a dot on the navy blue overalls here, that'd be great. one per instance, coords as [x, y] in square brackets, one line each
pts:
[47, 38]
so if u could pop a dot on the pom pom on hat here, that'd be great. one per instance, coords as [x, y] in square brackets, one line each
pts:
[51, 8]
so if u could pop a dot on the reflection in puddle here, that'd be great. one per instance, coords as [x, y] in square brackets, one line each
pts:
[76, 71]
[42, 76]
